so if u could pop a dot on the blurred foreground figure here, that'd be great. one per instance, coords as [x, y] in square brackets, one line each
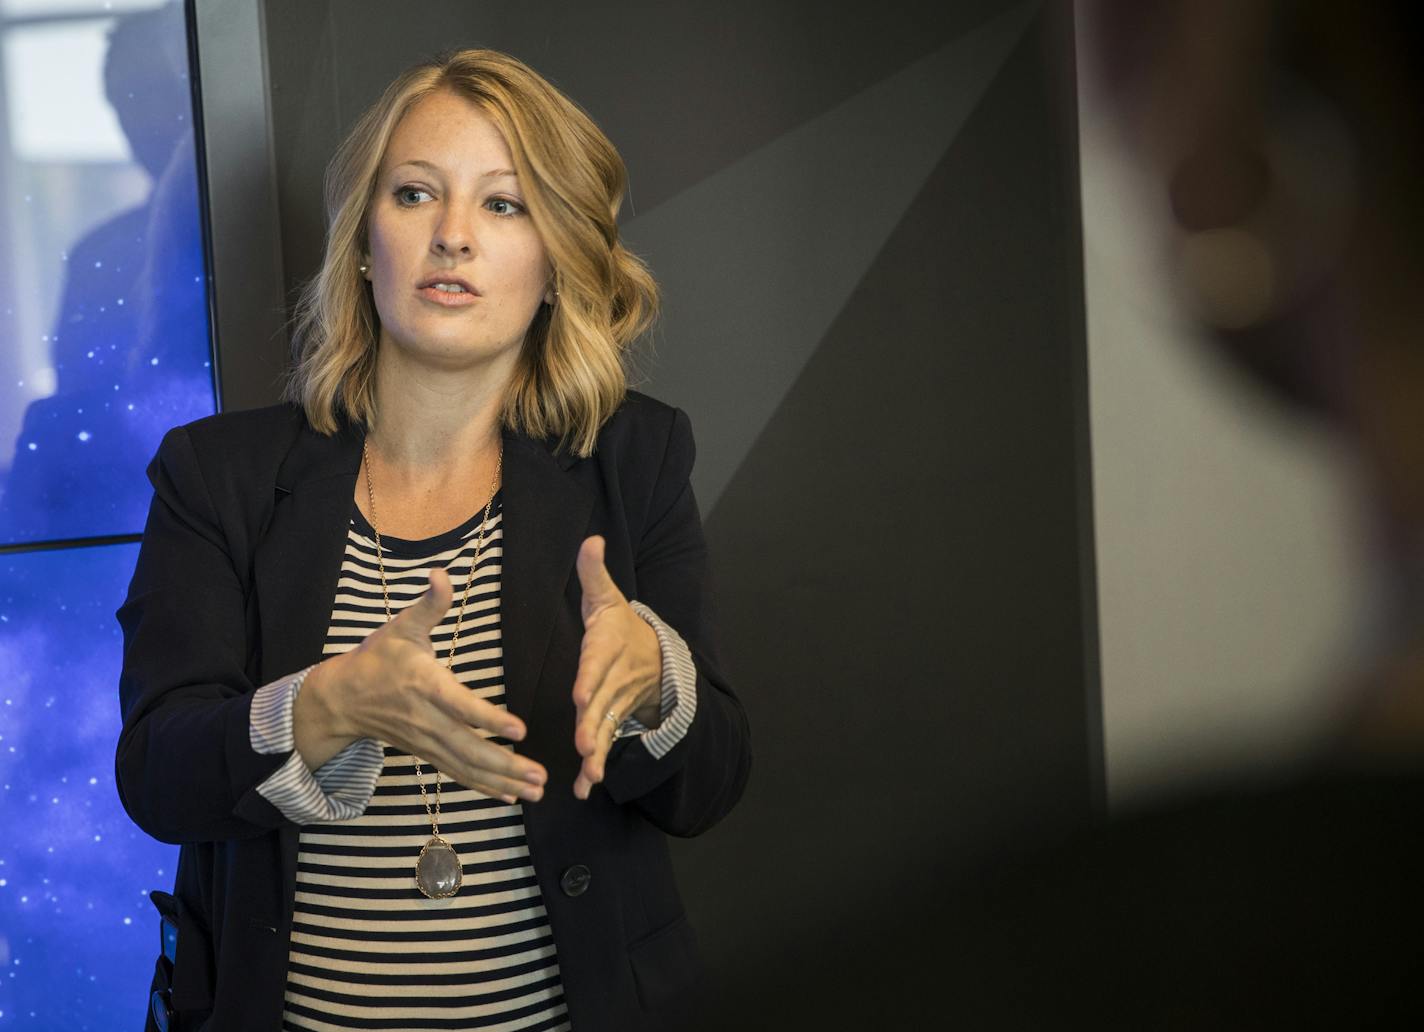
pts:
[1287, 141]
[1286, 138]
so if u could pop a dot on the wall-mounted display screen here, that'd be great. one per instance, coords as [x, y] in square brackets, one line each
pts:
[103, 294]
[106, 344]
[78, 936]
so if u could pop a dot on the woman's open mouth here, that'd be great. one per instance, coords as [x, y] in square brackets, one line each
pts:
[451, 295]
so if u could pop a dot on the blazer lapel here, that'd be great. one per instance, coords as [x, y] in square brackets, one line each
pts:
[546, 513]
[298, 560]
[297, 565]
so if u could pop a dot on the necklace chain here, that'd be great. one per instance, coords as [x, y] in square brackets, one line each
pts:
[432, 812]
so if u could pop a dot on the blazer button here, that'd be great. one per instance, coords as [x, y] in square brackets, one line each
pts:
[575, 880]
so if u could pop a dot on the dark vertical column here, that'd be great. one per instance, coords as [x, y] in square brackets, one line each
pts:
[236, 176]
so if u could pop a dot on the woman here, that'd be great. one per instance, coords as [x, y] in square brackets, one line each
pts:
[419, 666]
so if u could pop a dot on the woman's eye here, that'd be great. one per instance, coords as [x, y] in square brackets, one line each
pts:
[510, 208]
[409, 196]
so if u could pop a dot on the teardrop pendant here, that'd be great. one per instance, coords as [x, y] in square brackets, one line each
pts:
[438, 874]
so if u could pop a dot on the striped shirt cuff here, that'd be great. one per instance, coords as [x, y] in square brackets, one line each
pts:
[338, 790]
[678, 703]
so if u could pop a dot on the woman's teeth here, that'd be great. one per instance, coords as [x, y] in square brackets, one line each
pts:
[449, 288]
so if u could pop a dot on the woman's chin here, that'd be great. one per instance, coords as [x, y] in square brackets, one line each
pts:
[449, 353]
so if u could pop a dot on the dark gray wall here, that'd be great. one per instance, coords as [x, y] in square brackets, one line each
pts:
[865, 221]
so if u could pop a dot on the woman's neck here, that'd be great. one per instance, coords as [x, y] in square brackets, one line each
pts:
[435, 423]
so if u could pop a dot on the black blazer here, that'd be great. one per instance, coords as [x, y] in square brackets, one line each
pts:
[233, 589]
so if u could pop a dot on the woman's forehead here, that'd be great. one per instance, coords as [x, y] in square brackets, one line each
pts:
[446, 133]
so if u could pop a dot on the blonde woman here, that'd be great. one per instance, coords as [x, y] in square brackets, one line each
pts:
[419, 665]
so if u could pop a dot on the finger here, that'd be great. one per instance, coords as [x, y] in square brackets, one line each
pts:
[595, 660]
[477, 763]
[594, 736]
[595, 765]
[455, 716]
[602, 695]
[475, 750]
[469, 752]
[492, 788]
[490, 785]
[503, 788]
[594, 578]
[582, 786]
[422, 616]
[457, 702]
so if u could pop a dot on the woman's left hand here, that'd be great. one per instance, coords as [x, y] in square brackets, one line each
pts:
[620, 667]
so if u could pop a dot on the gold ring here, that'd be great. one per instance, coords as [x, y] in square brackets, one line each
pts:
[611, 717]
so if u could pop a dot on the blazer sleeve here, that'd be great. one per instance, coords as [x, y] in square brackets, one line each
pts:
[185, 766]
[698, 781]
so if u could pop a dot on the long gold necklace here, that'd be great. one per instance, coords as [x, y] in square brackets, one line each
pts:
[438, 873]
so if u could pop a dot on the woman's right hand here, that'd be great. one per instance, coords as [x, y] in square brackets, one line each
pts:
[392, 688]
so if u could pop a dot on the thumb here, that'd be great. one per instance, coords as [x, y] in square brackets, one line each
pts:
[598, 586]
[423, 615]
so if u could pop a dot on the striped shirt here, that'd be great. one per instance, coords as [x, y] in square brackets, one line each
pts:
[367, 950]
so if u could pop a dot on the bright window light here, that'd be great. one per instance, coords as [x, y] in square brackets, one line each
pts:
[54, 88]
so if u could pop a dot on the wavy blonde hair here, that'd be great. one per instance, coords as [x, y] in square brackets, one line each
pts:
[570, 376]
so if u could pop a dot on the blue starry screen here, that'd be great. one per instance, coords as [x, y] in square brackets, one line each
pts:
[102, 280]
[103, 304]
[78, 936]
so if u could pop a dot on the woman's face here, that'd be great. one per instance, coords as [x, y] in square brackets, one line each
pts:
[456, 267]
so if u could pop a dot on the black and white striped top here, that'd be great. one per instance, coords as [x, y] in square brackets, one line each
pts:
[367, 949]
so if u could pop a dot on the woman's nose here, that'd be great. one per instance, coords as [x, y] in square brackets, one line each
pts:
[454, 235]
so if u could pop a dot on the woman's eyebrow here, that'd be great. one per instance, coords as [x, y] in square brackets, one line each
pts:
[436, 169]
